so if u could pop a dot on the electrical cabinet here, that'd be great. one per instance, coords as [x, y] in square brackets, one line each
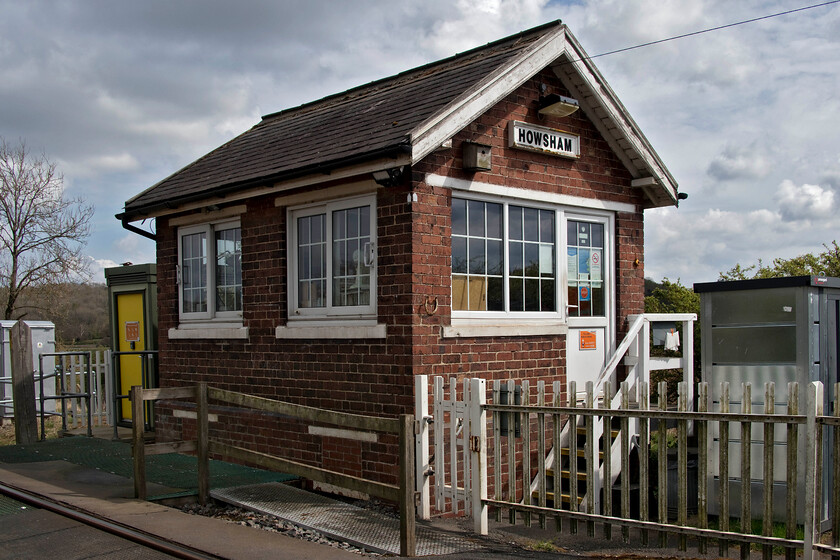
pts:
[756, 331]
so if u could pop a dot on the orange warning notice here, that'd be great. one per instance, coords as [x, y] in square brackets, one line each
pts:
[132, 331]
[588, 340]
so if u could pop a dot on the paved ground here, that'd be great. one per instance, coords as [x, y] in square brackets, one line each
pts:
[109, 495]
[31, 533]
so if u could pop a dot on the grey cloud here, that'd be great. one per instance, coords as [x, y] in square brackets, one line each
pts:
[100, 85]
[739, 162]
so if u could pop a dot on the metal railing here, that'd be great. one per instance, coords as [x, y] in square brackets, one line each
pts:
[148, 370]
[63, 395]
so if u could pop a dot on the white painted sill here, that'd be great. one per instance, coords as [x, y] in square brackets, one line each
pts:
[295, 331]
[477, 331]
[209, 331]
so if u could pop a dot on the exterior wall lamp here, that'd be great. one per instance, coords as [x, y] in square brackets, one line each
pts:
[557, 105]
[387, 177]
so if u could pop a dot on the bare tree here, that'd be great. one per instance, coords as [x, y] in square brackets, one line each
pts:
[41, 231]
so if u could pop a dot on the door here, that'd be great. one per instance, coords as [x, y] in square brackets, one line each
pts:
[132, 338]
[589, 295]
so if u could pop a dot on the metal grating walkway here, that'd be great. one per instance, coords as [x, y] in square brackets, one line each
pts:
[172, 469]
[8, 506]
[362, 527]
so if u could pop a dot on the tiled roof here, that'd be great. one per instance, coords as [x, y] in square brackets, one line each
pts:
[372, 120]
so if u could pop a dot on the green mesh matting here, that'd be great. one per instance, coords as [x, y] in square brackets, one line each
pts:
[9, 506]
[173, 470]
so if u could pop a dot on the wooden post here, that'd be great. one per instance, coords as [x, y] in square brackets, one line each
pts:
[407, 530]
[511, 450]
[23, 384]
[574, 505]
[203, 435]
[525, 422]
[702, 465]
[497, 447]
[541, 452]
[440, 469]
[137, 443]
[723, 451]
[769, 433]
[606, 448]
[453, 443]
[478, 448]
[813, 468]
[625, 460]
[792, 468]
[591, 452]
[682, 462]
[421, 407]
[835, 474]
[662, 463]
[644, 456]
[746, 463]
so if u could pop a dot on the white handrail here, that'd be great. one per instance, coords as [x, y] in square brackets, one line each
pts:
[638, 333]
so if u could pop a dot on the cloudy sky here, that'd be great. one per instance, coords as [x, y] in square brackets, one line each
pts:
[122, 94]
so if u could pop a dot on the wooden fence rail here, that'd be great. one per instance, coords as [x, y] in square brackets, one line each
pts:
[403, 426]
[760, 464]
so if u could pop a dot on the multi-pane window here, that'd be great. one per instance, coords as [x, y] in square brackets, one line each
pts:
[532, 262]
[333, 247]
[228, 269]
[312, 265]
[477, 256]
[210, 271]
[351, 256]
[485, 236]
[505, 260]
[585, 268]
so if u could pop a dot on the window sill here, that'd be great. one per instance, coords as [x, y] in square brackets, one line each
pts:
[501, 329]
[209, 331]
[346, 330]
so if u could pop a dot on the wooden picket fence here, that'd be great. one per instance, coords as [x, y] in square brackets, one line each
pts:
[492, 459]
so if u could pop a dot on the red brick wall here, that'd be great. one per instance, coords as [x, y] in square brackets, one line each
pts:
[597, 174]
[375, 377]
[371, 377]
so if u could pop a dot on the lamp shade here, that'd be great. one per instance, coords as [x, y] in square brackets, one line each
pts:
[557, 105]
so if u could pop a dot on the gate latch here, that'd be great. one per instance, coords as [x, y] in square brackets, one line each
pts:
[475, 444]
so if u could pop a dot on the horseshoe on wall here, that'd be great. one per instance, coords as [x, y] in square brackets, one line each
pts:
[430, 305]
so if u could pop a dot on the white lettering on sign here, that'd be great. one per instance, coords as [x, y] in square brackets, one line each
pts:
[543, 139]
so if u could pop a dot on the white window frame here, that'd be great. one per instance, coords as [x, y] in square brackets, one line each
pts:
[330, 312]
[608, 221]
[563, 213]
[210, 315]
[514, 315]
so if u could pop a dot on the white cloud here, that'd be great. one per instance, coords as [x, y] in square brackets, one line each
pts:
[805, 202]
[94, 166]
[469, 24]
[697, 246]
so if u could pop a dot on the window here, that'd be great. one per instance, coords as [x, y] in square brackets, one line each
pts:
[505, 261]
[210, 271]
[332, 251]
[532, 259]
[585, 254]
